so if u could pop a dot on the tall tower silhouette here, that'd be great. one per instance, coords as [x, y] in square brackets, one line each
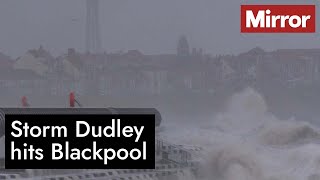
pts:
[183, 47]
[93, 39]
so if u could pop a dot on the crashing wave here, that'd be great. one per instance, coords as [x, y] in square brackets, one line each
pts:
[288, 133]
[246, 142]
[232, 162]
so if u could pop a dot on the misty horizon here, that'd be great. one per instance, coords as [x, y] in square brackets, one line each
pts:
[150, 27]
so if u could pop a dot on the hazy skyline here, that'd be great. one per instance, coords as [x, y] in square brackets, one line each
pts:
[152, 27]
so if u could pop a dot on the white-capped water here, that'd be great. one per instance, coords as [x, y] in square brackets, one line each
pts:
[245, 142]
[248, 143]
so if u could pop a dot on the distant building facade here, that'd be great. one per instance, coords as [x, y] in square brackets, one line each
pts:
[38, 72]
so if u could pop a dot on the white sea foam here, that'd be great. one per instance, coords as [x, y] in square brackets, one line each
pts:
[247, 143]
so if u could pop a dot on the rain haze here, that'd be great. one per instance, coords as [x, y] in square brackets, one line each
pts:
[230, 105]
[152, 27]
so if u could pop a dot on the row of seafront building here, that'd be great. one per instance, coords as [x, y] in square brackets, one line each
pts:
[38, 72]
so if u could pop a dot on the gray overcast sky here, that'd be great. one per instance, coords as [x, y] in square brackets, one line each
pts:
[152, 26]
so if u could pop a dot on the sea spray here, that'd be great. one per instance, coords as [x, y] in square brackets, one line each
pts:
[246, 142]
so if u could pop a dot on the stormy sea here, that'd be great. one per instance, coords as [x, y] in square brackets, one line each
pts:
[247, 142]
[244, 141]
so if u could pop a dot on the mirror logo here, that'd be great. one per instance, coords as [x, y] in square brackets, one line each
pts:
[278, 18]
